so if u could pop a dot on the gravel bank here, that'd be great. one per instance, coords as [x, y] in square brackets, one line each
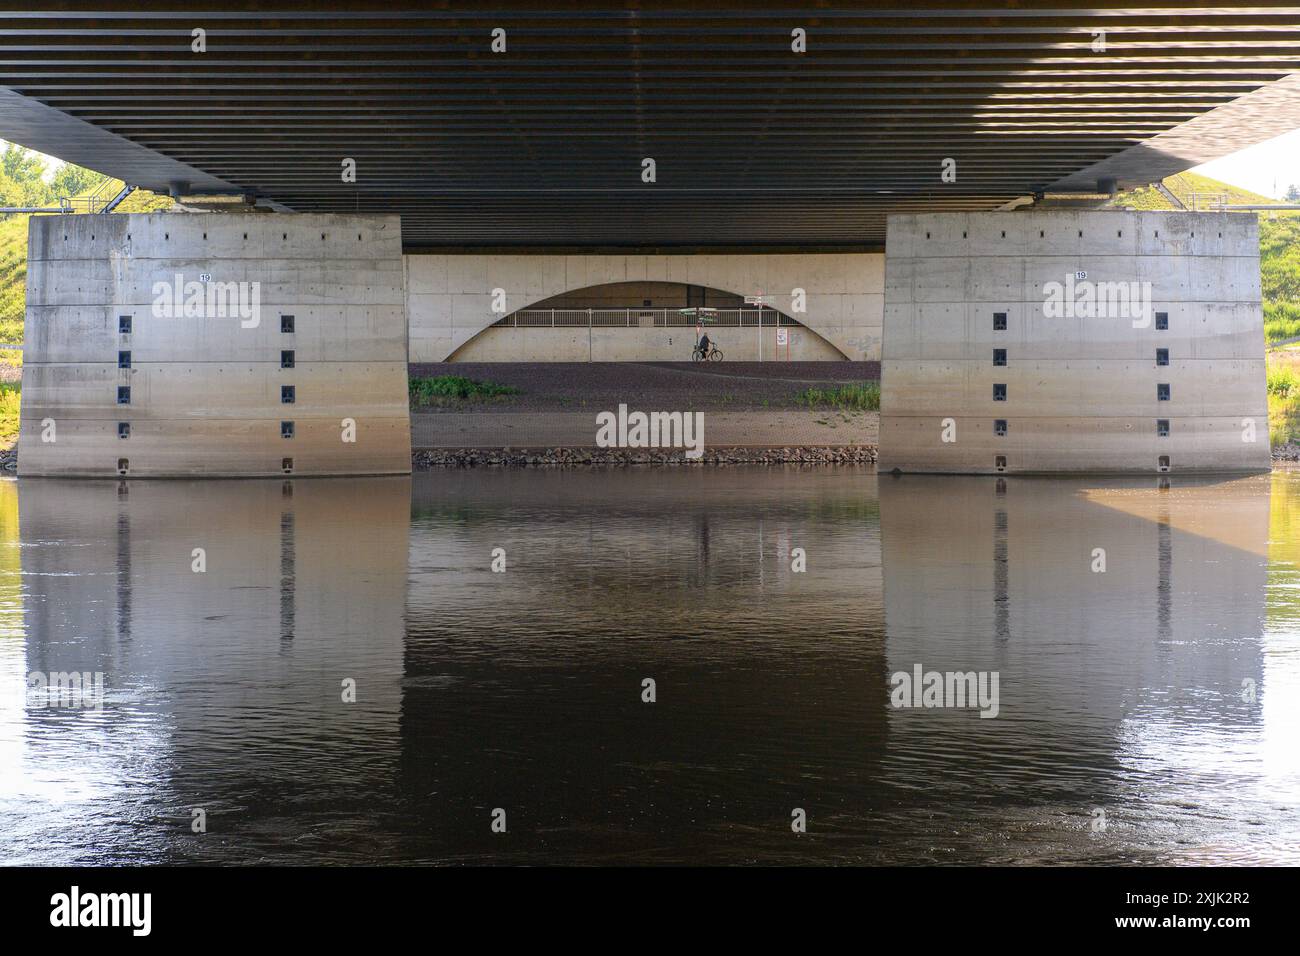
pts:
[562, 457]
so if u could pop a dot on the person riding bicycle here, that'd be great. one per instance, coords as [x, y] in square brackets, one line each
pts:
[703, 347]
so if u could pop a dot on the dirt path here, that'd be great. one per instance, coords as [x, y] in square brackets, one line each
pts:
[577, 429]
[664, 386]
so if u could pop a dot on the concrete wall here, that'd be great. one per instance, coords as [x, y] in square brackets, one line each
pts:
[655, 295]
[639, 345]
[1081, 391]
[449, 297]
[205, 389]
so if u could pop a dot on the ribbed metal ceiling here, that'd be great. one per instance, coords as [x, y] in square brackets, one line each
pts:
[543, 144]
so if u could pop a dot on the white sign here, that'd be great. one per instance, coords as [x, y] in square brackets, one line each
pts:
[782, 336]
[753, 300]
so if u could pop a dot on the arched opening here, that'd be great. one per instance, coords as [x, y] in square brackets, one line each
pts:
[644, 322]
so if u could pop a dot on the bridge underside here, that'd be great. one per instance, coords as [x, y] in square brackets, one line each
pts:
[543, 143]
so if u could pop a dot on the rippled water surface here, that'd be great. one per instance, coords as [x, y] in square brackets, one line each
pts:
[1147, 713]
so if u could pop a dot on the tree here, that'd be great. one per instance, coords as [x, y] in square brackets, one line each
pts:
[73, 180]
[11, 194]
[22, 165]
[1293, 193]
[24, 168]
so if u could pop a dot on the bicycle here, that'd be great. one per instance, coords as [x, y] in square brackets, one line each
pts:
[715, 354]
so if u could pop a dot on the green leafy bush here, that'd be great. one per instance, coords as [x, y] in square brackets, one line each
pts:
[864, 397]
[446, 388]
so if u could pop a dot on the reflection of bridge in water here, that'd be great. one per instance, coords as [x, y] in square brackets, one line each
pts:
[522, 690]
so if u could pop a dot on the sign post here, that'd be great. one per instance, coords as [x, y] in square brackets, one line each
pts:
[783, 338]
[758, 301]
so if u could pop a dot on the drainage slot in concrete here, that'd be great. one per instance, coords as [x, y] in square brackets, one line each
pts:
[1162, 321]
[287, 395]
[123, 359]
[1000, 462]
[123, 466]
[999, 321]
[1162, 356]
[286, 429]
[286, 465]
[999, 356]
[1162, 392]
[123, 429]
[1162, 463]
[999, 393]
[286, 358]
[1162, 427]
[1000, 426]
[124, 395]
[124, 324]
[286, 323]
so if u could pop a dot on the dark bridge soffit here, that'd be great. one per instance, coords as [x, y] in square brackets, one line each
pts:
[541, 146]
[32, 123]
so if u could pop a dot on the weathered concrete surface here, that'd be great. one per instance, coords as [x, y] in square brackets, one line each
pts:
[449, 297]
[579, 344]
[1081, 392]
[206, 386]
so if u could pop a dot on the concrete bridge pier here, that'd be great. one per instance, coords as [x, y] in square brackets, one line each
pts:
[1056, 341]
[167, 345]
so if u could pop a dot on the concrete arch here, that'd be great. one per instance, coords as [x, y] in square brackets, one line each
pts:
[450, 297]
[643, 341]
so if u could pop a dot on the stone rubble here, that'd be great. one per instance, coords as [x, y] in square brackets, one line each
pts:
[473, 457]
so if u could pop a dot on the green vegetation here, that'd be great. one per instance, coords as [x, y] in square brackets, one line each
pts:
[1283, 396]
[10, 393]
[1192, 190]
[861, 397]
[1279, 275]
[25, 181]
[13, 279]
[454, 389]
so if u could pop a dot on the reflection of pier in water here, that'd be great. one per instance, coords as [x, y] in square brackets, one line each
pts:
[985, 574]
[523, 690]
[305, 586]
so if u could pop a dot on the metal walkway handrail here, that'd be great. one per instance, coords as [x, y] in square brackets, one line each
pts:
[633, 318]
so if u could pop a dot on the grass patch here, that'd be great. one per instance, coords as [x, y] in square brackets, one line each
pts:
[10, 398]
[1283, 399]
[454, 389]
[860, 397]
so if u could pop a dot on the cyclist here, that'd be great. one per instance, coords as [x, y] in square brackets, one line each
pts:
[703, 347]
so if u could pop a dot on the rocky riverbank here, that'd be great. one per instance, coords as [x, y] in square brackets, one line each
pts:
[541, 457]
[537, 457]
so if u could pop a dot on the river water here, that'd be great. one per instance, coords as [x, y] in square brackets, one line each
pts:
[1144, 637]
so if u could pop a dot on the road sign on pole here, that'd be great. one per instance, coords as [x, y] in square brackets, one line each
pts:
[758, 301]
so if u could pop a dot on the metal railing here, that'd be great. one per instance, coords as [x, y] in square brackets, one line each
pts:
[1208, 202]
[643, 318]
[95, 201]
